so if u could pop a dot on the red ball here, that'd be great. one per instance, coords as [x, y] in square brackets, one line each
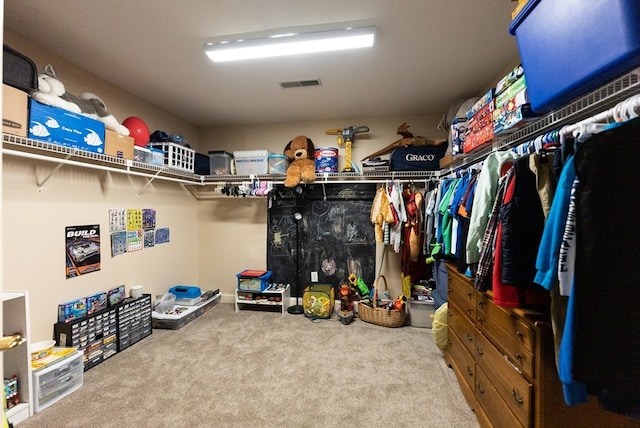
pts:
[138, 130]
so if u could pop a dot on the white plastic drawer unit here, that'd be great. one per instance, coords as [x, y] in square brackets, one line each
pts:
[57, 381]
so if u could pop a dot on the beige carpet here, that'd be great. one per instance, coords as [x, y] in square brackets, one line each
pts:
[260, 369]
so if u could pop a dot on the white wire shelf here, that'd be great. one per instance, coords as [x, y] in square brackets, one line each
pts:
[595, 102]
[588, 105]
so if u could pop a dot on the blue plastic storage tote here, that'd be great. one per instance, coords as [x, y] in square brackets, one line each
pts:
[569, 48]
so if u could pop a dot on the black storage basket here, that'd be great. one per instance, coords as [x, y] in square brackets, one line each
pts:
[19, 71]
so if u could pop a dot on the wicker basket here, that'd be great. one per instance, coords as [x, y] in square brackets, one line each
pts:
[381, 316]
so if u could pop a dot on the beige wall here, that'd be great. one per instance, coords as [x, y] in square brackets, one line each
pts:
[34, 222]
[233, 230]
[120, 103]
[211, 241]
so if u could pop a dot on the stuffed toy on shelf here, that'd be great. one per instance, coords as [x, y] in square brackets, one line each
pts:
[302, 165]
[51, 91]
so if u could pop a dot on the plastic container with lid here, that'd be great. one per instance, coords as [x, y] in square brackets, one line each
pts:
[156, 157]
[250, 162]
[220, 162]
[568, 49]
[278, 164]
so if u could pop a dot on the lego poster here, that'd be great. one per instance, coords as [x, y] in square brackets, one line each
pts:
[135, 240]
[82, 250]
[149, 238]
[162, 235]
[134, 219]
[118, 243]
[117, 220]
[148, 219]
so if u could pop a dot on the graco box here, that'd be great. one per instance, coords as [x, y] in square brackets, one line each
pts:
[570, 48]
[253, 280]
[252, 162]
[176, 156]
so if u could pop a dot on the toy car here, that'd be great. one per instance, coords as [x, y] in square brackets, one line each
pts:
[82, 249]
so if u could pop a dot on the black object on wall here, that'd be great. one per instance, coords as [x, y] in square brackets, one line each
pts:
[336, 234]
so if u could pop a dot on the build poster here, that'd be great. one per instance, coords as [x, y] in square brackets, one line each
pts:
[82, 249]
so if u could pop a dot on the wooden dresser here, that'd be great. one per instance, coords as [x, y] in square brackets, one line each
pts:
[504, 360]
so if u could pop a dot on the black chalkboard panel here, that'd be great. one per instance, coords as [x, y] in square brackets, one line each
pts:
[336, 234]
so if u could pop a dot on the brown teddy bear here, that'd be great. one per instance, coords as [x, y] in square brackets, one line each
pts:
[302, 164]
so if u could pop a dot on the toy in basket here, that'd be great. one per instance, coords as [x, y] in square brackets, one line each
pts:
[318, 301]
[386, 313]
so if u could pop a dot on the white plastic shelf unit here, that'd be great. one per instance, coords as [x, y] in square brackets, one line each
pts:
[270, 298]
[17, 360]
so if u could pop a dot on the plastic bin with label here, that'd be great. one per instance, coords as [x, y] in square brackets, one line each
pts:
[570, 48]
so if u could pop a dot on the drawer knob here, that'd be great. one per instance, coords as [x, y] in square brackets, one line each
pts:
[469, 337]
[479, 350]
[516, 396]
[469, 371]
[519, 335]
[480, 304]
[469, 311]
[518, 356]
[469, 294]
[480, 320]
[480, 389]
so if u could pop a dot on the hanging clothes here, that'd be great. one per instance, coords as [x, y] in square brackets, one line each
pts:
[464, 220]
[397, 205]
[522, 221]
[484, 272]
[430, 220]
[546, 180]
[607, 268]
[517, 237]
[443, 235]
[381, 213]
[485, 194]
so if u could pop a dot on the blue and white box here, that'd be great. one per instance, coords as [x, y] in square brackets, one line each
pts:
[58, 126]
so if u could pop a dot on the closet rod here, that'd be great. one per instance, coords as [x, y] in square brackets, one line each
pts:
[619, 113]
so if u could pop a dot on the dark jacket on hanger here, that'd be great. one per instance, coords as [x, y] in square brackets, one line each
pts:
[607, 271]
[522, 222]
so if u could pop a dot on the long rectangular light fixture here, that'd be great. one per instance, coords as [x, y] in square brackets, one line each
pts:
[290, 43]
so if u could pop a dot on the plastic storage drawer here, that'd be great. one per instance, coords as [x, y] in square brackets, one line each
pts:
[57, 381]
[570, 48]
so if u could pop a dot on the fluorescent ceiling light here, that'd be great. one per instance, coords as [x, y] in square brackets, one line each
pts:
[286, 43]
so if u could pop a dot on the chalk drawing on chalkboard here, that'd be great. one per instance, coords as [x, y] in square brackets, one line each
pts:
[336, 235]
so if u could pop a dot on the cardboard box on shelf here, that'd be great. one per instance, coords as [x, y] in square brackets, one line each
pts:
[58, 126]
[117, 145]
[15, 111]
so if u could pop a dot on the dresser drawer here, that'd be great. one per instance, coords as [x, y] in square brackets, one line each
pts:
[462, 326]
[462, 359]
[489, 316]
[465, 299]
[493, 404]
[515, 389]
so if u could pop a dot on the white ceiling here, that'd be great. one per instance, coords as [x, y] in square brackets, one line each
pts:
[428, 54]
